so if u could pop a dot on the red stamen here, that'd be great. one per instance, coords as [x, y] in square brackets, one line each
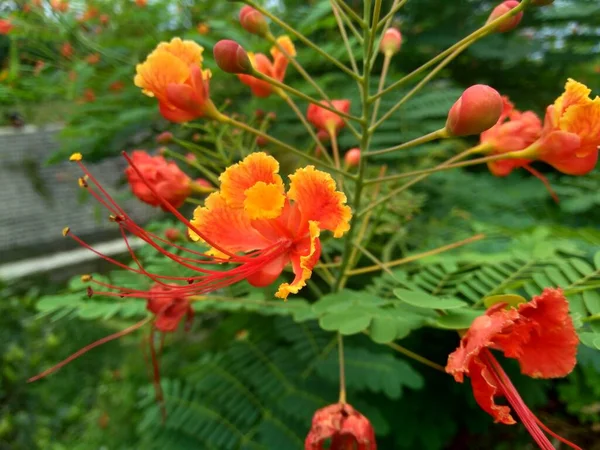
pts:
[544, 180]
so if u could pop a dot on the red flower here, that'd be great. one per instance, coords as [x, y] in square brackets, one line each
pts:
[346, 427]
[171, 183]
[5, 26]
[93, 58]
[327, 120]
[539, 334]
[515, 130]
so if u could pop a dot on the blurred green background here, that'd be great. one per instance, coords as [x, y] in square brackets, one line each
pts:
[229, 392]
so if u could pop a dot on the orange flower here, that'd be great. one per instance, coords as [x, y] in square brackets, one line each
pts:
[252, 211]
[66, 50]
[162, 176]
[571, 133]
[94, 58]
[345, 427]
[327, 120]
[539, 334]
[5, 26]
[173, 74]
[515, 130]
[275, 69]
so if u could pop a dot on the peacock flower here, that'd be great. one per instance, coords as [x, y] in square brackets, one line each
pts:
[252, 212]
[344, 428]
[173, 74]
[155, 173]
[326, 120]
[571, 133]
[514, 131]
[539, 334]
[273, 69]
[5, 26]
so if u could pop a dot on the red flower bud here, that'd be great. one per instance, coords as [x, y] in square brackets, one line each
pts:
[261, 141]
[196, 137]
[477, 109]
[510, 23]
[173, 234]
[5, 26]
[352, 157]
[253, 21]
[391, 41]
[271, 116]
[231, 57]
[190, 157]
[323, 136]
[165, 137]
[345, 427]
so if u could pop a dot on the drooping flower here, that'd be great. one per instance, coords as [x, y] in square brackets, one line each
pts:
[173, 74]
[275, 69]
[252, 211]
[343, 427]
[6, 26]
[515, 130]
[160, 175]
[326, 120]
[539, 334]
[571, 133]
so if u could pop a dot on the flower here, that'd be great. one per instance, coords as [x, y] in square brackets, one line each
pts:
[141, 3]
[251, 211]
[539, 334]
[276, 69]
[93, 58]
[478, 108]
[173, 74]
[164, 138]
[327, 120]
[571, 133]
[60, 5]
[515, 130]
[5, 26]
[509, 23]
[168, 180]
[89, 96]
[116, 86]
[346, 427]
[168, 308]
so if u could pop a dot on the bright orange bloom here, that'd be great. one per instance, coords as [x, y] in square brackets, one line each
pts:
[344, 428]
[252, 211]
[275, 69]
[539, 334]
[159, 175]
[67, 50]
[327, 120]
[571, 133]
[515, 130]
[5, 26]
[173, 74]
[94, 58]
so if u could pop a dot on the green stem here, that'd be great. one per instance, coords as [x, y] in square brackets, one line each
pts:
[352, 13]
[481, 32]
[211, 176]
[387, 19]
[348, 22]
[416, 357]
[338, 19]
[384, 70]
[438, 134]
[302, 38]
[342, 365]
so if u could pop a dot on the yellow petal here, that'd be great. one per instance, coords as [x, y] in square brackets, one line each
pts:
[575, 94]
[160, 69]
[286, 43]
[584, 121]
[187, 51]
[264, 201]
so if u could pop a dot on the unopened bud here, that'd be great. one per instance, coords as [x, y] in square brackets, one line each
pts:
[173, 234]
[390, 42]
[259, 113]
[323, 136]
[190, 157]
[271, 116]
[253, 21]
[196, 137]
[261, 141]
[477, 109]
[165, 137]
[231, 57]
[511, 22]
[352, 157]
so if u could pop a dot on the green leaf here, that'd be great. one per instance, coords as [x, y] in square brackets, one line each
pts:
[347, 322]
[383, 329]
[424, 300]
[510, 299]
[592, 301]
[458, 320]
[590, 339]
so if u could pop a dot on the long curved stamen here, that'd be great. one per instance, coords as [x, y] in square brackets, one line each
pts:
[544, 180]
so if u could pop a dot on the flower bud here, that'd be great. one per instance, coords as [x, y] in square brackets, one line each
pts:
[271, 116]
[510, 23]
[173, 234]
[190, 157]
[253, 21]
[352, 157]
[390, 42]
[261, 141]
[196, 137]
[323, 136]
[164, 138]
[231, 57]
[477, 109]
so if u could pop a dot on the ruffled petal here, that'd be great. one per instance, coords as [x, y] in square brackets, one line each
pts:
[485, 388]
[584, 121]
[575, 94]
[264, 201]
[187, 51]
[238, 178]
[304, 257]
[158, 71]
[227, 227]
[315, 195]
[552, 346]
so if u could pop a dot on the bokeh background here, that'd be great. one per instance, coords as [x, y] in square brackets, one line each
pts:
[56, 97]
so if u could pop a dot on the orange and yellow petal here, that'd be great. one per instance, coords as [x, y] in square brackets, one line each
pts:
[286, 43]
[227, 227]
[575, 94]
[316, 196]
[264, 201]
[303, 262]
[584, 121]
[238, 178]
[160, 69]
[187, 51]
